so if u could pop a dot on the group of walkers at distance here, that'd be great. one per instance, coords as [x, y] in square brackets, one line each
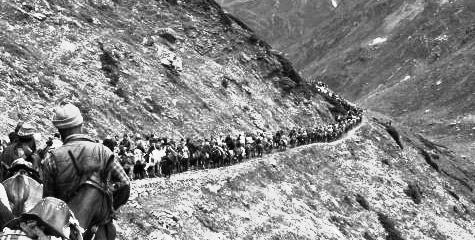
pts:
[152, 156]
[71, 187]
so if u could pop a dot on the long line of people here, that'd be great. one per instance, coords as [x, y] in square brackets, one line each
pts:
[152, 156]
[85, 181]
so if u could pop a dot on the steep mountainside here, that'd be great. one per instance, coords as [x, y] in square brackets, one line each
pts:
[361, 187]
[411, 59]
[188, 68]
[172, 67]
[280, 22]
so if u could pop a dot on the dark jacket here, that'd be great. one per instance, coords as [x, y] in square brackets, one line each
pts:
[9, 154]
[60, 176]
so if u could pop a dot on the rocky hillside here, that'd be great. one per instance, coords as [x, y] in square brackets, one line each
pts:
[361, 187]
[410, 59]
[171, 67]
[187, 67]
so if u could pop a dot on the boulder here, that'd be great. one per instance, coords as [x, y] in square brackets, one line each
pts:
[169, 59]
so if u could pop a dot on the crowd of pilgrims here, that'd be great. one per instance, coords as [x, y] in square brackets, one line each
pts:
[152, 156]
[66, 193]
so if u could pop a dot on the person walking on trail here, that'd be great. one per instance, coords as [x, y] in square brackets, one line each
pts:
[23, 147]
[13, 136]
[125, 143]
[109, 143]
[78, 161]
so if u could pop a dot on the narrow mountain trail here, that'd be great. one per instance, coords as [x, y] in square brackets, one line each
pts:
[142, 186]
[359, 187]
[158, 197]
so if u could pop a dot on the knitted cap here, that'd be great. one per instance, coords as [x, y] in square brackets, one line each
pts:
[67, 116]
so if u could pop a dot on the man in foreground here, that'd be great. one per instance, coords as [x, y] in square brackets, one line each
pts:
[76, 171]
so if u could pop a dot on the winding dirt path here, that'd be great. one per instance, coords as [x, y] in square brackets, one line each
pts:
[142, 186]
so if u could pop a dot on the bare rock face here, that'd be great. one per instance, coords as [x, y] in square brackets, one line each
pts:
[145, 67]
[338, 190]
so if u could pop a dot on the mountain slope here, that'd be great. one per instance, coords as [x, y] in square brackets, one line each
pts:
[361, 187]
[120, 62]
[409, 59]
[146, 66]
[280, 22]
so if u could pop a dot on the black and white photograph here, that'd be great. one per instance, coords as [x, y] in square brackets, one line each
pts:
[237, 119]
